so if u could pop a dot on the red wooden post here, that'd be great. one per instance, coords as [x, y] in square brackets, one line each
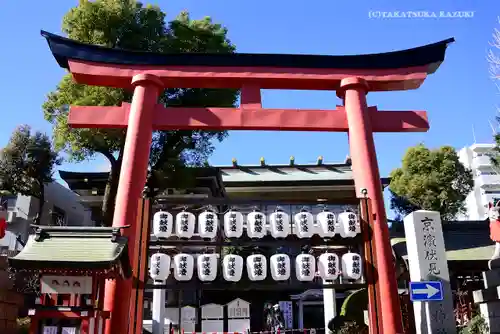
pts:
[131, 183]
[367, 182]
[34, 325]
[370, 265]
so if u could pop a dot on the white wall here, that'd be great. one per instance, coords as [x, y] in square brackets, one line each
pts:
[56, 195]
[65, 199]
[9, 241]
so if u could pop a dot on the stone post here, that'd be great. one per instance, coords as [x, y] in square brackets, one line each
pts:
[427, 260]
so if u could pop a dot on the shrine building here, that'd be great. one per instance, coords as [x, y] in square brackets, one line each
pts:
[52, 251]
[285, 183]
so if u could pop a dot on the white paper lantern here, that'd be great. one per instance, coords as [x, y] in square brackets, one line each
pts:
[327, 224]
[280, 267]
[256, 224]
[184, 224]
[232, 267]
[352, 266]
[207, 267]
[279, 222]
[257, 267]
[349, 224]
[183, 267]
[304, 227]
[159, 268]
[233, 224]
[207, 224]
[305, 267]
[162, 224]
[329, 266]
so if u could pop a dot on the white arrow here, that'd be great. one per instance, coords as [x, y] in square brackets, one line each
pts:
[429, 291]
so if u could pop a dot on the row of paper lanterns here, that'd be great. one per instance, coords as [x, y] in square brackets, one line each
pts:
[328, 265]
[346, 224]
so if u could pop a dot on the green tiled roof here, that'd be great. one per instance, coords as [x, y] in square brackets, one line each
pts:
[286, 173]
[464, 241]
[321, 174]
[92, 248]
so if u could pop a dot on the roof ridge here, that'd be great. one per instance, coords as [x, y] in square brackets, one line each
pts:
[295, 165]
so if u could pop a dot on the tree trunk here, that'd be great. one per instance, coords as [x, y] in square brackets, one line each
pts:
[41, 203]
[108, 203]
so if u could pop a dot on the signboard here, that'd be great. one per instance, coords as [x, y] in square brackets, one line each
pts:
[68, 330]
[212, 311]
[50, 329]
[427, 261]
[212, 318]
[238, 308]
[286, 308]
[171, 315]
[239, 316]
[188, 319]
[66, 284]
[426, 291]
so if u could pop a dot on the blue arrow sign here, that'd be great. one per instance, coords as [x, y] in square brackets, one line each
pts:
[426, 291]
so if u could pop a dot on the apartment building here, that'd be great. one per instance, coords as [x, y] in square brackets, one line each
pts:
[486, 190]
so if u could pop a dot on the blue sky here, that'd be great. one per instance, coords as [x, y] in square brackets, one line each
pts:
[458, 96]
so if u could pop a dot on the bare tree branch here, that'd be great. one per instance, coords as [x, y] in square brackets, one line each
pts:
[493, 56]
[493, 59]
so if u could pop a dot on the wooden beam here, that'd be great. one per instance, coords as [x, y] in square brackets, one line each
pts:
[120, 76]
[250, 97]
[248, 119]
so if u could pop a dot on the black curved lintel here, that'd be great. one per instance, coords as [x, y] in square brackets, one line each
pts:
[430, 55]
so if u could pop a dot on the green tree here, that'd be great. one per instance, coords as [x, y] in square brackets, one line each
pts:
[430, 180]
[477, 325]
[127, 24]
[27, 164]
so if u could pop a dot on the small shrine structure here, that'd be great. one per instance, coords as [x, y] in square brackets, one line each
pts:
[73, 264]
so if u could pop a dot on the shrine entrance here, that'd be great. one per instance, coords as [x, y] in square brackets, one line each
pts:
[149, 74]
[242, 259]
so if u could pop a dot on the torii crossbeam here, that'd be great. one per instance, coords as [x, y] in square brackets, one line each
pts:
[351, 76]
[248, 118]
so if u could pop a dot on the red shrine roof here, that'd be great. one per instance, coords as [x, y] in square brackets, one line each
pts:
[430, 55]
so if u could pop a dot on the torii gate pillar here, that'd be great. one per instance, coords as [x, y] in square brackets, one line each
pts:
[133, 173]
[367, 183]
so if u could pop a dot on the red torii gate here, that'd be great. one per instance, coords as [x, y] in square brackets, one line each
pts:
[148, 74]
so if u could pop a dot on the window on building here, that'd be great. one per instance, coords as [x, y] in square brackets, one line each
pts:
[8, 202]
[486, 154]
[58, 216]
[486, 173]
